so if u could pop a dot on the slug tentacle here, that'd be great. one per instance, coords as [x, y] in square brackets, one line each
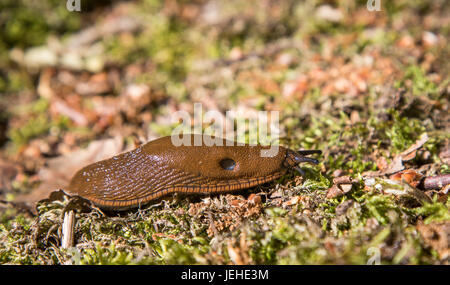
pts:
[308, 152]
[301, 159]
[293, 158]
[159, 167]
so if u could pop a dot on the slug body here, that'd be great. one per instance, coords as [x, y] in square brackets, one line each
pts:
[159, 167]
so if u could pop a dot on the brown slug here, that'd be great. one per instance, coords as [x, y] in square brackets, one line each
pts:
[159, 167]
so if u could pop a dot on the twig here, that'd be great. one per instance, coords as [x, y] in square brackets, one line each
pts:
[435, 182]
[67, 229]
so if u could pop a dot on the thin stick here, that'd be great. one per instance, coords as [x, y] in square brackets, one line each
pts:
[67, 229]
[435, 182]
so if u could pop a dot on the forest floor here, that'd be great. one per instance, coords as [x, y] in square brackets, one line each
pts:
[368, 88]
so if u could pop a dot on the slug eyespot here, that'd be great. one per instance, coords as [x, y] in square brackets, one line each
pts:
[227, 164]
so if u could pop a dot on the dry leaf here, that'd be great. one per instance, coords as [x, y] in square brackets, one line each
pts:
[410, 153]
[8, 171]
[437, 236]
[409, 176]
[60, 170]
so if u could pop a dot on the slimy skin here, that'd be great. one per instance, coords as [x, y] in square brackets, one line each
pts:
[159, 168]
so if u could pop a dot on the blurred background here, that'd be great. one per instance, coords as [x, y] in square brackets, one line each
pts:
[78, 86]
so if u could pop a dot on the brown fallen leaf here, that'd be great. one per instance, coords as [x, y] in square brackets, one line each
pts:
[437, 236]
[8, 171]
[338, 190]
[395, 166]
[97, 84]
[134, 99]
[382, 163]
[342, 208]
[342, 185]
[294, 200]
[60, 107]
[60, 170]
[344, 180]
[397, 163]
[409, 176]
[410, 153]
[444, 155]
[338, 173]
[254, 199]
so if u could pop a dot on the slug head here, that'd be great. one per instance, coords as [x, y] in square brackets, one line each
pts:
[294, 158]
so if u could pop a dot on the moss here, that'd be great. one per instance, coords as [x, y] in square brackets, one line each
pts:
[33, 128]
[102, 255]
[434, 212]
[15, 81]
[37, 125]
[421, 85]
[26, 24]
[165, 43]
[23, 27]
[404, 131]
[379, 206]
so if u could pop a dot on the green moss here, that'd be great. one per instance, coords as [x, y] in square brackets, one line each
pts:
[102, 256]
[433, 212]
[379, 206]
[165, 43]
[15, 81]
[25, 24]
[35, 127]
[404, 131]
[421, 85]
[38, 124]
